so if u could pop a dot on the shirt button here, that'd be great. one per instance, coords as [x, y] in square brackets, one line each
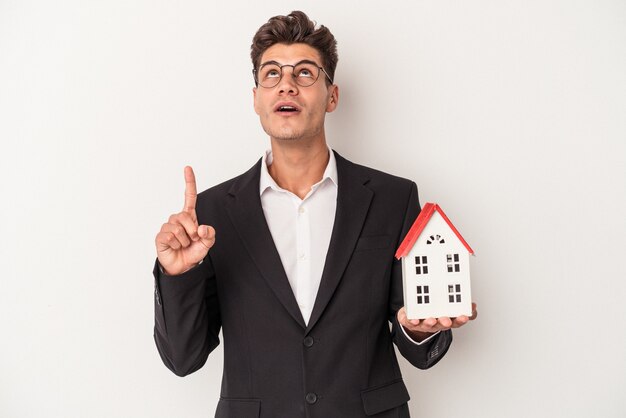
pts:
[311, 398]
[308, 342]
[302, 256]
[301, 210]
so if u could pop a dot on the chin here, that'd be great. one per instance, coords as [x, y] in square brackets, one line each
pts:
[284, 134]
[289, 133]
[287, 137]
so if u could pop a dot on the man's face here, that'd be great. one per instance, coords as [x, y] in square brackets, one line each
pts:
[307, 106]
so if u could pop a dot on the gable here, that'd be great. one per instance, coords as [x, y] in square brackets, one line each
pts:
[423, 219]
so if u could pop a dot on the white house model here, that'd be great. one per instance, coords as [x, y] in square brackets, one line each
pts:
[435, 267]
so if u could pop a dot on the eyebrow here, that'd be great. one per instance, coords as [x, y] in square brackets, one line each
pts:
[297, 63]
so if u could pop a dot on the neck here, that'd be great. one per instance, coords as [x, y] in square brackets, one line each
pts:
[297, 166]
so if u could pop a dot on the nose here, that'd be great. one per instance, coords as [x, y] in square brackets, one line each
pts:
[287, 83]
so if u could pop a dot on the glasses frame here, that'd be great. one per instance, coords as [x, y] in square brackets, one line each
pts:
[255, 72]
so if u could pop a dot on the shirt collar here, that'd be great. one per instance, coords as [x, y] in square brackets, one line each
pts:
[266, 180]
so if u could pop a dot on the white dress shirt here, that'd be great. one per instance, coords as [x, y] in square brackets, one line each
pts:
[301, 230]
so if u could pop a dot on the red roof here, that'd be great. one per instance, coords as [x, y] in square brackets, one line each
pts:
[418, 226]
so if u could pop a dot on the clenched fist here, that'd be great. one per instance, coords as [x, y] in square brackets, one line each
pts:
[182, 243]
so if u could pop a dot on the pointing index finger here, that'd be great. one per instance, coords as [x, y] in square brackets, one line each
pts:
[191, 192]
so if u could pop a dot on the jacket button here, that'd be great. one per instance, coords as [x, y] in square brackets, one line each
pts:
[308, 341]
[311, 398]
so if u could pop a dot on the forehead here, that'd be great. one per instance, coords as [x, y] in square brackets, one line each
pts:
[290, 54]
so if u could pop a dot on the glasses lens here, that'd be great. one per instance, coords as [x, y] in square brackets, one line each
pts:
[306, 74]
[269, 75]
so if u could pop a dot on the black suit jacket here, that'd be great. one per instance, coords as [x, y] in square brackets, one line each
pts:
[342, 363]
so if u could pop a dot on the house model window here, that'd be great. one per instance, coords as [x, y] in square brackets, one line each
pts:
[421, 264]
[437, 239]
[422, 294]
[453, 263]
[454, 293]
[435, 271]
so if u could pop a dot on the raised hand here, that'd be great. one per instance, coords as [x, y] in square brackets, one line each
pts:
[182, 243]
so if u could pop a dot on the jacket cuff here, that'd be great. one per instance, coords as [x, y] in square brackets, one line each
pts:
[426, 354]
[167, 287]
[424, 341]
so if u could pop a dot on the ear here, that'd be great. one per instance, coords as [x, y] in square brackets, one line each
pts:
[333, 98]
[254, 100]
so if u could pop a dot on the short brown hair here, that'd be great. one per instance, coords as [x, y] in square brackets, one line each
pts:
[294, 28]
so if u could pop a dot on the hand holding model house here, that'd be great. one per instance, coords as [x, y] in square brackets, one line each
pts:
[182, 243]
[422, 328]
[436, 276]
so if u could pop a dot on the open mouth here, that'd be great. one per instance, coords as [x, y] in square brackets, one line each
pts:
[287, 108]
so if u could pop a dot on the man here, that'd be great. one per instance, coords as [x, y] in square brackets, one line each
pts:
[301, 277]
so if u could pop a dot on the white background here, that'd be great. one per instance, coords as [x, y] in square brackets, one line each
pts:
[509, 114]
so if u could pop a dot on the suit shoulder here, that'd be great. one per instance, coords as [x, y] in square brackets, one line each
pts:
[380, 178]
[387, 177]
[221, 190]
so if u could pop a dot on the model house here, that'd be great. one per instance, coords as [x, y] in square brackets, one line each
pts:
[435, 267]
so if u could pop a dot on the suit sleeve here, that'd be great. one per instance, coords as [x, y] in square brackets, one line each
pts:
[186, 317]
[428, 354]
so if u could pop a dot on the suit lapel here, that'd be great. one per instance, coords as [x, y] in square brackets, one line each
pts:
[247, 216]
[353, 201]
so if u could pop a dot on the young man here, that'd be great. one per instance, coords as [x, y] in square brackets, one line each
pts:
[301, 278]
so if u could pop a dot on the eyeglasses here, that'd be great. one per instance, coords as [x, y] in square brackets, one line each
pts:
[305, 73]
